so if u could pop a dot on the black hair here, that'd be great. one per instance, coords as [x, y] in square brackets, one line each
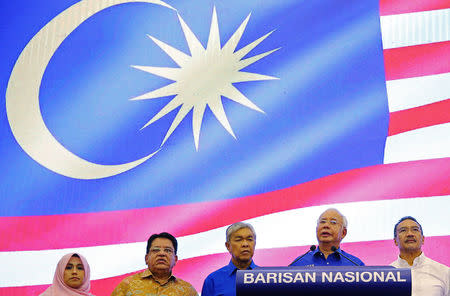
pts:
[406, 218]
[162, 235]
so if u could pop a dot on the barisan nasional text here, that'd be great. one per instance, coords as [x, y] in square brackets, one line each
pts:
[322, 277]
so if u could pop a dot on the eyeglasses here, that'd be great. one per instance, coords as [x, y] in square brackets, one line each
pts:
[168, 251]
[332, 222]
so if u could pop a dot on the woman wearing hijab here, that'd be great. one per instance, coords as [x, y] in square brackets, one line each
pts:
[72, 277]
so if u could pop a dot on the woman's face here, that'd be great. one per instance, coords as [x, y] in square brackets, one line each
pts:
[74, 273]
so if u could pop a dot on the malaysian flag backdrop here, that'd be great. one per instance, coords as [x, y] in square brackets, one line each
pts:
[124, 118]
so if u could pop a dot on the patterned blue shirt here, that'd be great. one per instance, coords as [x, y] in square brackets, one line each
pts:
[222, 281]
[317, 258]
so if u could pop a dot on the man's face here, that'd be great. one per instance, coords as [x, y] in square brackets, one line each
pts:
[74, 273]
[330, 228]
[409, 237]
[161, 257]
[241, 245]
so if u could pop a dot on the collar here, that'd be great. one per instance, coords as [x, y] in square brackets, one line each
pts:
[231, 268]
[147, 274]
[419, 260]
[317, 252]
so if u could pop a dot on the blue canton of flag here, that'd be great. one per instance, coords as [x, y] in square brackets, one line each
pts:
[325, 104]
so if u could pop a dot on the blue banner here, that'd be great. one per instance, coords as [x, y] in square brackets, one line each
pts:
[345, 281]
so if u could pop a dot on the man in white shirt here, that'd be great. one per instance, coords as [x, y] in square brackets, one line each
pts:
[429, 278]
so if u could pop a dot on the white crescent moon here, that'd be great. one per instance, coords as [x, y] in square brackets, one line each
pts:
[22, 96]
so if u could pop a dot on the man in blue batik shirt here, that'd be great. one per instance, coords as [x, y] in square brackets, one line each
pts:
[240, 243]
[330, 230]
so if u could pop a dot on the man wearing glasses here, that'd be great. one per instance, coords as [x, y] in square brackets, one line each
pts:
[429, 278]
[330, 230]
[160, 258]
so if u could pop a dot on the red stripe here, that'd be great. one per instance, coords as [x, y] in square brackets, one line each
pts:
[195, 270]
[389, 7]
[419, 60]
[400, 180]
[423, 116]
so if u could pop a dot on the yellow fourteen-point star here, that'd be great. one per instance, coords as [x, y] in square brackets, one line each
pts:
[204, 77]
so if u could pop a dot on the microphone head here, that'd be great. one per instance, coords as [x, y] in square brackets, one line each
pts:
[312, 248]
[333, 248]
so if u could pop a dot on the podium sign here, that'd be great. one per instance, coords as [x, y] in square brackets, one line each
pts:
[329, 281]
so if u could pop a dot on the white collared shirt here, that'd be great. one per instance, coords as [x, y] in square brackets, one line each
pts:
[429, 278]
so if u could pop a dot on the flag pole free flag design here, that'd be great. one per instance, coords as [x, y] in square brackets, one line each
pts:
[125, 118]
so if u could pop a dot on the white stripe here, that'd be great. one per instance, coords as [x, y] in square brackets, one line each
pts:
[368, 221]
[418, 91]
[424, 143]
[415, 28]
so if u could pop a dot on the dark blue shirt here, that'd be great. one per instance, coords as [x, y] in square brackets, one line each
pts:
[222, 281]
[316, 258]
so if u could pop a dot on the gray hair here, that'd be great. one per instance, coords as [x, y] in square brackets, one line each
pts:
[237, 226]
[344, 219]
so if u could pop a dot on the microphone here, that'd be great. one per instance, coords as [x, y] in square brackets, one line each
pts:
[335, 250]
[311, 249]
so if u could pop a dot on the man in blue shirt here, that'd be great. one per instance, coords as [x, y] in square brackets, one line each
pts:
[240, 243]
[330, 230]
